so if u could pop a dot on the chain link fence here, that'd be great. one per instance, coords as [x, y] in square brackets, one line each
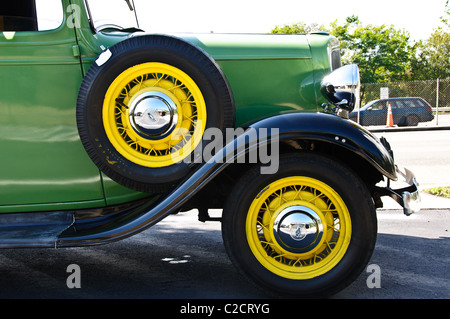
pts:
[414, 103]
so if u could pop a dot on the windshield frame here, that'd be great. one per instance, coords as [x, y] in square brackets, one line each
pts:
[95, 29]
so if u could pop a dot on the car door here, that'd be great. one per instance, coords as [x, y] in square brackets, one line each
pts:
[398, 111]
[377, 114]
[43, 164]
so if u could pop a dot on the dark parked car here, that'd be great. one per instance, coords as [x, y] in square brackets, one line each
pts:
[406, 111]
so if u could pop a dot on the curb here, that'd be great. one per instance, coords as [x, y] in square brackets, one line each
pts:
[428, 202]
[409, 129]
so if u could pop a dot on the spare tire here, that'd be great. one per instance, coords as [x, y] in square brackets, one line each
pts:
[143, 109]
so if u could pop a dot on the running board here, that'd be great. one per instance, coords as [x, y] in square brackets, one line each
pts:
[22, 230]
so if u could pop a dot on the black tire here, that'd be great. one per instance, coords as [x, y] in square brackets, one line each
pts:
[253, 186]
[412, 120]
[180, 57]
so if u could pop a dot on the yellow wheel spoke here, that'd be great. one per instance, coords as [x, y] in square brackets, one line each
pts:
[263, 226]
[297, 192]
[191, 119]
[177, 86]
[301, 258]
[184, 97]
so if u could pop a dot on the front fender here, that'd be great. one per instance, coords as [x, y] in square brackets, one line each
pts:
[334, 130]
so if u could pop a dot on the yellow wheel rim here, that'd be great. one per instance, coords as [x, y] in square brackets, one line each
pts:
[154, 114]
[298, 227]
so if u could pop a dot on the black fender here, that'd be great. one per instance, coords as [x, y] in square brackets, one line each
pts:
[291, 126]
[334, 130]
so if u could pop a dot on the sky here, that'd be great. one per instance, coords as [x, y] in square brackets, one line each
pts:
[418, 17]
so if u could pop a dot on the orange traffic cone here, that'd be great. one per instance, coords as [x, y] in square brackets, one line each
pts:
[390, 119]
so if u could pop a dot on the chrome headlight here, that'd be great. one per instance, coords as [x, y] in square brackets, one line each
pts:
[342, 87]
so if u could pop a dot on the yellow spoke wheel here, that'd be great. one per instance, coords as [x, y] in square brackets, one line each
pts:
[307, 230]
[154, 114]
[298, 227]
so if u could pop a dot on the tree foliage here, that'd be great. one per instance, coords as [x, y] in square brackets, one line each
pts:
[433, 57]
[297, 28]
[387, 54]
[383, 53]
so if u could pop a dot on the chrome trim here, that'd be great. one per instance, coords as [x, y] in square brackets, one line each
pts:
[345, 77]
[343, 83]
[407, 196]
[153, 115]
[411, 198]
[298, 229]
[334, 51]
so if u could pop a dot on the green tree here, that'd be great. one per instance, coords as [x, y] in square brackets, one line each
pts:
[383, 53]
[433, 58]
[298, 28]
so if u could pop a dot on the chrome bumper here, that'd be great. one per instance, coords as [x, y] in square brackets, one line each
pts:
[411, 196]
[407, 196]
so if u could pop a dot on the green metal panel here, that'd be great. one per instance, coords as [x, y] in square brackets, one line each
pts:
[319, 45]
[268, 74]
[43, 164]
[263, 88]
[251, 46]
[90, 46]
[43, 161]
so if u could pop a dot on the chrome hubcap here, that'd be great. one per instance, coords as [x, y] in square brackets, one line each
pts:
[153, 115]
[298, 229]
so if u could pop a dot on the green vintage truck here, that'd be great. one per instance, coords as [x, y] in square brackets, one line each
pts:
[108, 129]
